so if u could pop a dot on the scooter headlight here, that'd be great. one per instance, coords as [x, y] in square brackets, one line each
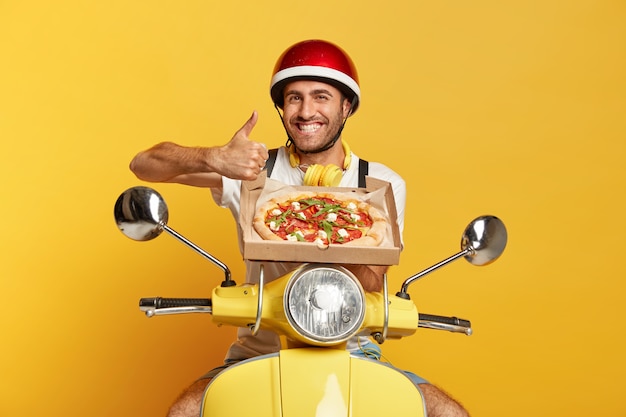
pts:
[324, 304]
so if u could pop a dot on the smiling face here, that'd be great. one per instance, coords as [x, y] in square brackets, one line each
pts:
[313, 113]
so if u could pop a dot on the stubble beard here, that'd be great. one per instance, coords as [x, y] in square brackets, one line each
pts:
[330, 136]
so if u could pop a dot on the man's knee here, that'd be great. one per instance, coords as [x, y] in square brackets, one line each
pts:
[189, 402]
[440, 404]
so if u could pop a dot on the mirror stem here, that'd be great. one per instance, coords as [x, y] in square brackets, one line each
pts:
[227, 277]
[405, 286]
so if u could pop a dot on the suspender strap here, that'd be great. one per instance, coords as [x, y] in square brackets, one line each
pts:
[363, 167]
[269, 164]
[363, 170]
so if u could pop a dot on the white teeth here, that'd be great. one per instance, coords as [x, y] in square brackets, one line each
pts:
[309, 128]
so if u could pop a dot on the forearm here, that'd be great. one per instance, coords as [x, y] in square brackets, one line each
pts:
[167, 160]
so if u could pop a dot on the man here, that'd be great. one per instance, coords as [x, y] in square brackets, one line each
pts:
[315, 84]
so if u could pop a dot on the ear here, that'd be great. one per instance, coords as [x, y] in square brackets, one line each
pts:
[347, 107]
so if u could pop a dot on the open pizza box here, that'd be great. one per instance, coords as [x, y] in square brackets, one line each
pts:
[378, 193]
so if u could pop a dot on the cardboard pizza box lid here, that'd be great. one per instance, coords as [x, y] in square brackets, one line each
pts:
[377, 192]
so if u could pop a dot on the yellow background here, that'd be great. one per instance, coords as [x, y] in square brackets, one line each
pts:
[509, 108]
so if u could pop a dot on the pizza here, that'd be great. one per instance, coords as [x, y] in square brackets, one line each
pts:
[321, 218]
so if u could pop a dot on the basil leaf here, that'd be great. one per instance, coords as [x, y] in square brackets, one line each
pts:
[298, 236]
[328, 228]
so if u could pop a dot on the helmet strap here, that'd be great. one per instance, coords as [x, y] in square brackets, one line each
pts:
[289, 140]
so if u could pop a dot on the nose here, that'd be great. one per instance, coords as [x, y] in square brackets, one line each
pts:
[307, 108]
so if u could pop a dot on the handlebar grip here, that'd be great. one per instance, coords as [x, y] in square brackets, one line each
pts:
[454, 321]
[160, 302]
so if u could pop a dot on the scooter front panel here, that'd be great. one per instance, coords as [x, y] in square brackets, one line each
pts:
[249, 388]
[315, 382]
[377, 389]
[312, 382]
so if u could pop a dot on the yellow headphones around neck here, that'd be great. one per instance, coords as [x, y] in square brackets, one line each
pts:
[322, 175]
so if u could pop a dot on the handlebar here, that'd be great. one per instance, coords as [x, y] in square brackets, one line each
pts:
[451, 324]
[158, 306]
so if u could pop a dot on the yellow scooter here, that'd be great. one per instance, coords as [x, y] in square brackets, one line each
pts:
[316, 308]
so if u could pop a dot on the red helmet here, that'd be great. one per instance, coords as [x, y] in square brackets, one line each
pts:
[316, 60]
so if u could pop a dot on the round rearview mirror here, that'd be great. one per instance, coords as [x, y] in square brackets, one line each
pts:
[485, 238]
[141, 213]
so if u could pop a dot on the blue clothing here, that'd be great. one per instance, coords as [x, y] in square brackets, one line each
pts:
[372, 351]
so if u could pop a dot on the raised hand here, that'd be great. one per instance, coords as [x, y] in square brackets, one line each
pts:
[242, 158]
